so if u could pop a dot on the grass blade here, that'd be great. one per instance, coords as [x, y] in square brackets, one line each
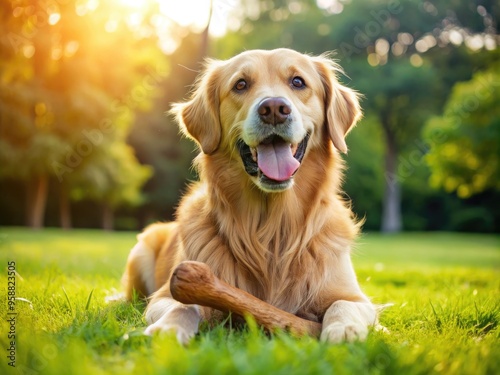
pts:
[438, 320]
[67, 300]
[88, 300]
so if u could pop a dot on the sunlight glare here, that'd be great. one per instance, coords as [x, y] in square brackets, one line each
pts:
[111, 25]
[187, 12]
[83, 7]
[134, 3]
[54, 18]
[174, 20]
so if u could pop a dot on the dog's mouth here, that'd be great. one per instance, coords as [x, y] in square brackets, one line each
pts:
[274, 160]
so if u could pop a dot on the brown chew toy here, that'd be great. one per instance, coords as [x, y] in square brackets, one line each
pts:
[194, 283]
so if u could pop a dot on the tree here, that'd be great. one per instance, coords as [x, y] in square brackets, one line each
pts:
[465, 140]
[72, 77]
[155, 135]
[27, 147]
[364, 178]
[113, 177]
[400, 86]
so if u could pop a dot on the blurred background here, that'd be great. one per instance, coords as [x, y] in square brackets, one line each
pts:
[85, 85]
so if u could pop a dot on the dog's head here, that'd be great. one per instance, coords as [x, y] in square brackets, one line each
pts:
[272, 108]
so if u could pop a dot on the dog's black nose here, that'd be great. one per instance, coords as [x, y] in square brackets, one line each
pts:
[274, 111]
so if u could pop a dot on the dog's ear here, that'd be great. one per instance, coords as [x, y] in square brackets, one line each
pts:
[199, 117]
[342, 109]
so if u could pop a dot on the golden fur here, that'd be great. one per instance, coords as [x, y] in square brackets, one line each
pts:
[289, 248]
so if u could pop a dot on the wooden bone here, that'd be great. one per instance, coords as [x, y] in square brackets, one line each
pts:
[194, 283]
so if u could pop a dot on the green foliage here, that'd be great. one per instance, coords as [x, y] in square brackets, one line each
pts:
[44, 148]
[445, 318]
[113, 176]
[364, 178]
[156, 138]
[465, 140]
[64, 112]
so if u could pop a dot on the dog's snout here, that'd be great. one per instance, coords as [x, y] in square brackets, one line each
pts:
[274, 111]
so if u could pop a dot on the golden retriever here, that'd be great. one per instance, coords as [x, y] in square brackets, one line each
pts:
[266, 215]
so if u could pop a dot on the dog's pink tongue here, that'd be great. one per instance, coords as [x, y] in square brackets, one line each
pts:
[276, 161]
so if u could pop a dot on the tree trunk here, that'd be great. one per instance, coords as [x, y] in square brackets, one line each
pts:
[36, 201]
[107, 217]
[64, 208]
[391, 212]
[29, 204]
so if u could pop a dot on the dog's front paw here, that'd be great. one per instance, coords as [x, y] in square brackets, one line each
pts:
[183, 335]
[339, 332]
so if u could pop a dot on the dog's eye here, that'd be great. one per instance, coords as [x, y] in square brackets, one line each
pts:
[240, 85]
[298, 82]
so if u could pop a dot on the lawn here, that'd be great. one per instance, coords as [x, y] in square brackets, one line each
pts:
[445, 319]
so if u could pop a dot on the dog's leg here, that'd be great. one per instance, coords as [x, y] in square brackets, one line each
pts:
[139, 273]
[164, 314]
[348, 321]
[351, 313]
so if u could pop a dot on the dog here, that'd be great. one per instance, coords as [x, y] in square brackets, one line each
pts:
[267, 215]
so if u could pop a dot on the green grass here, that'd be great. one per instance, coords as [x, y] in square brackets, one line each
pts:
[445, 319]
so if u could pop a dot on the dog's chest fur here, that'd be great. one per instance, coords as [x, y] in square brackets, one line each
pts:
[271, 251]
